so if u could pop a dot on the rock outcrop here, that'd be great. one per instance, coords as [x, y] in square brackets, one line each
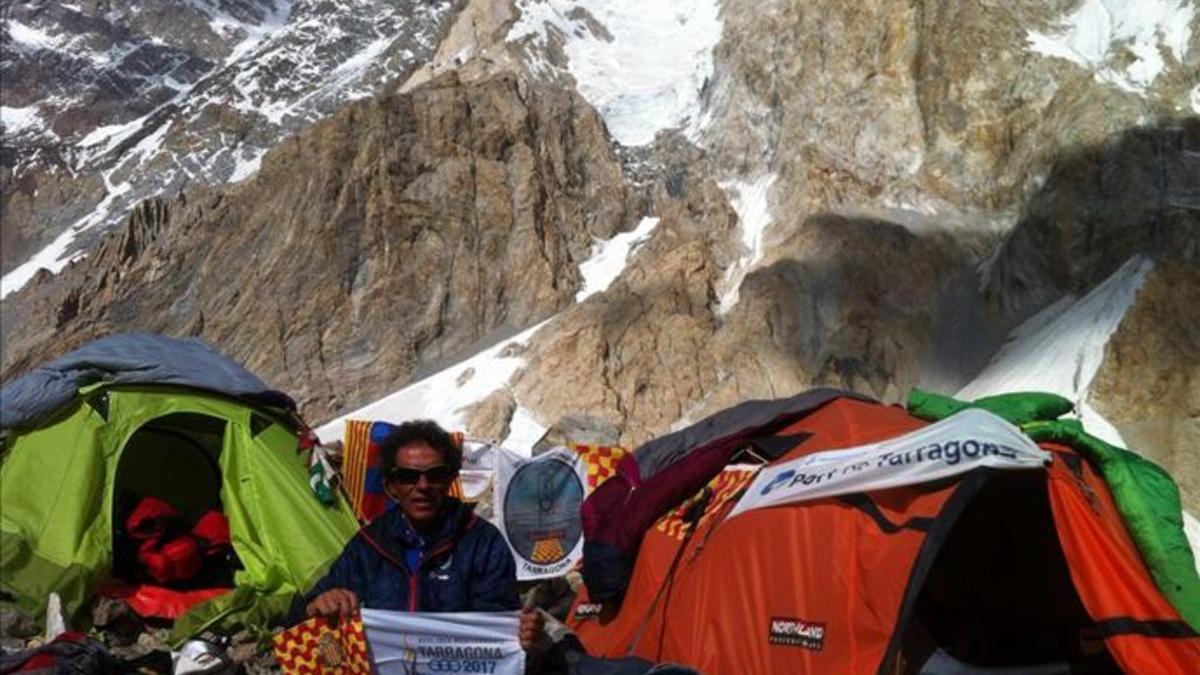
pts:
[1137, 192]
[653, 351]
[1149, 383]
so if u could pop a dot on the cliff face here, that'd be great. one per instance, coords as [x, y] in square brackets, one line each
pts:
[382, 241]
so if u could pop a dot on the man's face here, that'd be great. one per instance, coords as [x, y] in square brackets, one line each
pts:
[417, 483]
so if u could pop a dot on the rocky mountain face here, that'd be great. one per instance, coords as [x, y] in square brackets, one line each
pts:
[870, 195]
[108, 103]
[401, 231]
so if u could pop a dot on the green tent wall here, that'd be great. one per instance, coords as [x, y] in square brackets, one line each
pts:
[57, 490]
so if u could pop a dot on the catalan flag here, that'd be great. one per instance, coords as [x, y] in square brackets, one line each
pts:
[314, 647]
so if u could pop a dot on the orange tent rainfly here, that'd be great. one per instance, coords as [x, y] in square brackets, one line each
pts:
[865, 540]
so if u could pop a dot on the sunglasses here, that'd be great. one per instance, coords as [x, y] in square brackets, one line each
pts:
[434, 474]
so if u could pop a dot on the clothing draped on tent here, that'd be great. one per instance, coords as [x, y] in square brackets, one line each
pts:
[661, 473]
[129, 358]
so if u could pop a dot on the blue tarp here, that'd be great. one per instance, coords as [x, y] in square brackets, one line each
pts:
[128, 358]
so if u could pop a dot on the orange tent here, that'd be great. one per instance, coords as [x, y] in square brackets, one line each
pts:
[990, 568]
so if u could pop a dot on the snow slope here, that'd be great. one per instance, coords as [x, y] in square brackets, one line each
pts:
[642, 65]
[1060, 349]
[444, 396]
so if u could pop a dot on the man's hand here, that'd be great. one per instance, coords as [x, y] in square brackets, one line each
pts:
[532, 629]
[335, 602]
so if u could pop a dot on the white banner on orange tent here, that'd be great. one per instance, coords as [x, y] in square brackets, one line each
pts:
[406, 643]
[536, 507]
[964, 441]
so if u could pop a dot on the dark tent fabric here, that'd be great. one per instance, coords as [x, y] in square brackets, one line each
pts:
[743, 421]
[129, 358]
[622, 508]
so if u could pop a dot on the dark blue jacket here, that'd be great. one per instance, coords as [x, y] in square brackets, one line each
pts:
[464, 566]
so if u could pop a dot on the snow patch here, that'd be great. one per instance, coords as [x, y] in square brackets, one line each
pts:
[1196, 99]
[53, 256]
[1060, 349]
[353, 68]
[1121, 41]
[610, 257]
[223, 23]
[18, 120]
[643, 67]
[524, 431]
[49, 258]
[443, 396]
[749, 200]
[339, 82]
[151, 143]
[111, 135]
[28, 36]
[247, 165]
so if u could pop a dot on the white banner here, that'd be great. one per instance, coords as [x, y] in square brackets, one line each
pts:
[964, 441]
[478, 468]
[536, 507]
[417, 643]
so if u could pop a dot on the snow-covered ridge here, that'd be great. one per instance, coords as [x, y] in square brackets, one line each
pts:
[1099, 34]
[642, 65]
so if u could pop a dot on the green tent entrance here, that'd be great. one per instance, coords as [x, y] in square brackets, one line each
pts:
[63, 483]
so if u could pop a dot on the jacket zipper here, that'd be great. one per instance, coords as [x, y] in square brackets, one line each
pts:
[412, 591]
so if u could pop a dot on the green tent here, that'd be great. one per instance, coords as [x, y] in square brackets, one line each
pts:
[61, 481]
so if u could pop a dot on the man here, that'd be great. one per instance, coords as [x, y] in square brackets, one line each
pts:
[432, 553]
